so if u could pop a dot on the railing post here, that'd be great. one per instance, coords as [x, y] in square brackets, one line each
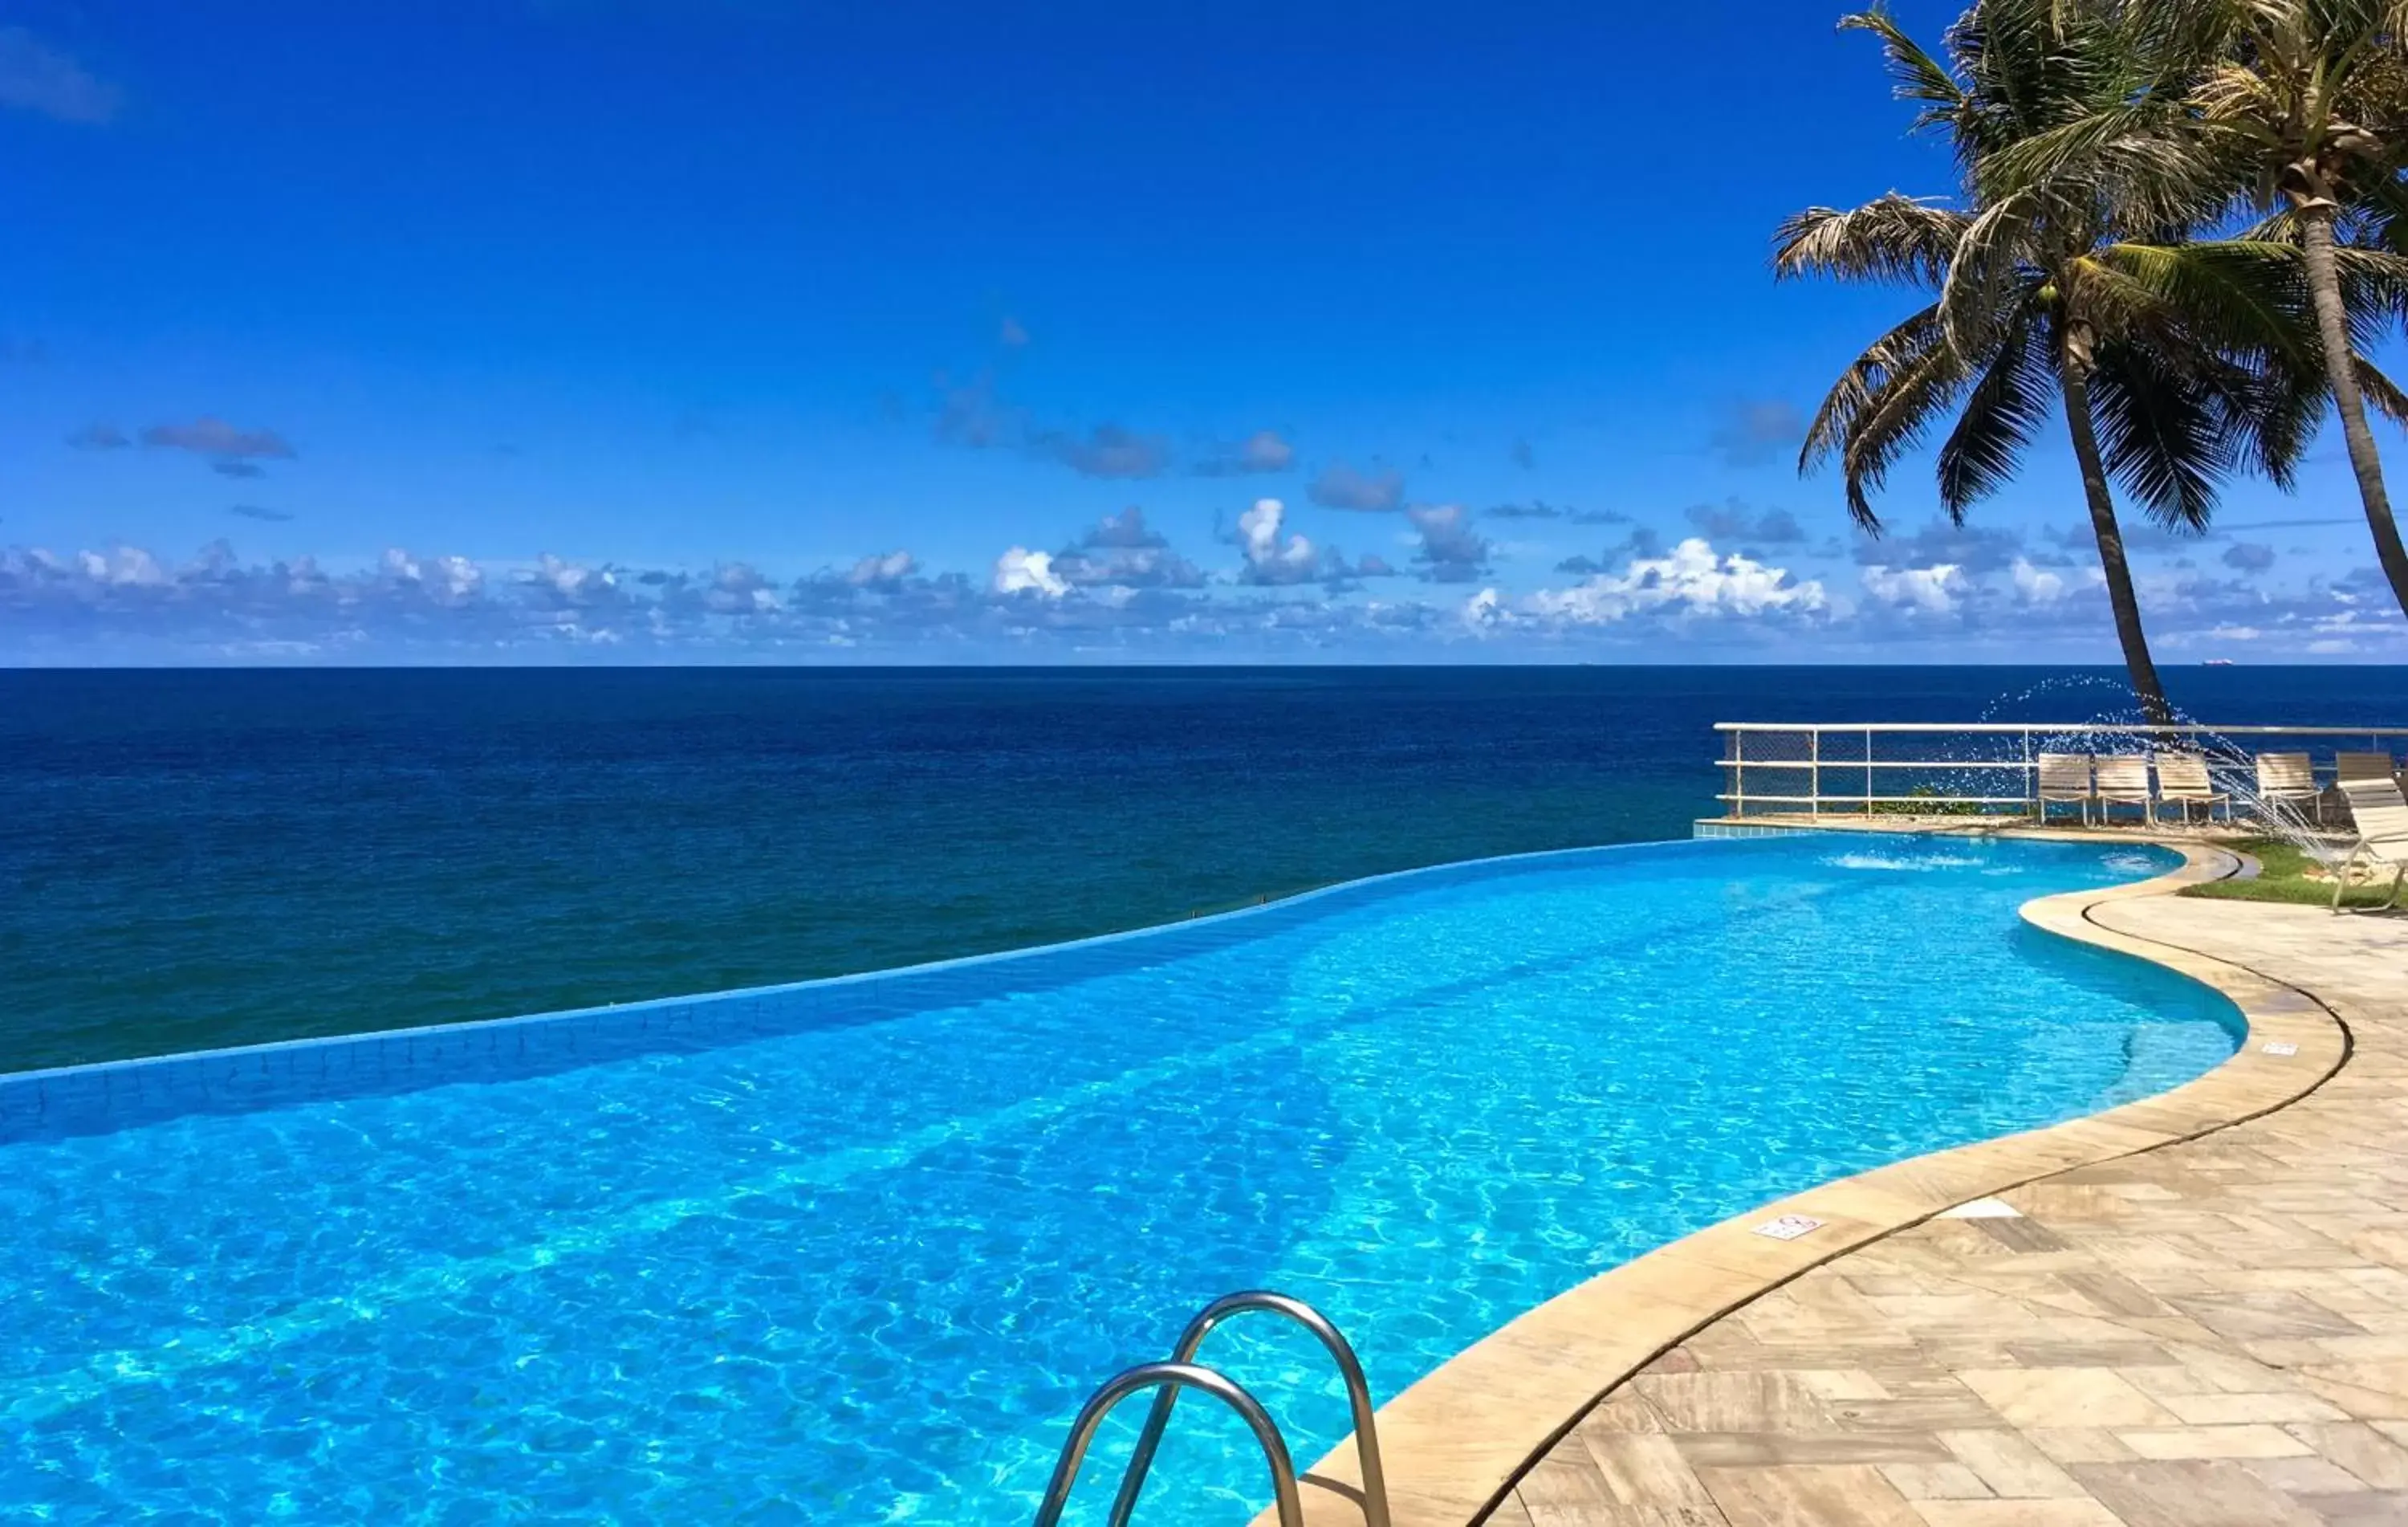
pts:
[1738, 772]
[1814, 772]
[1868, 773]
[2031, 774]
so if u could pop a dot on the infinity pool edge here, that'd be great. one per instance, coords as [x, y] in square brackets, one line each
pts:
[1455, 1441]
[100, 1096]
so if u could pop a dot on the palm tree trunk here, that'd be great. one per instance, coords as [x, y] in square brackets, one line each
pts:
[2127, 605]
[2340, 367]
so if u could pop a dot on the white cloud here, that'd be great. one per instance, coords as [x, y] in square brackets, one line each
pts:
[446, 579]
[1690, 582]
[1935, 589]
[2038, 586]
[1270, 560]
[1020, 570]
[883, 571]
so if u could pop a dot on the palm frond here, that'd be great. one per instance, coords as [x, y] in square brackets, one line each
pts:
[2162, 435]
[1894, 420]
[1892, 238]
[2381, 394]
[1849, 396]
[1987, 260]
[2374, 289]
[2003, 411]
[1915, 74]
[2223, 295]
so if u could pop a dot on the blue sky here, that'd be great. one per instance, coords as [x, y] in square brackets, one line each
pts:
[577, 330]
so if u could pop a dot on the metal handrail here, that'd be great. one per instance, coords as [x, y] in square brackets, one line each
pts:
[1171, 1378]
[2187, 729]
[1844, 754]
[1350, 1369]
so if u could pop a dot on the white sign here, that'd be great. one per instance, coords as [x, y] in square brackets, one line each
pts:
[2281, 1047]
[1788, 1227]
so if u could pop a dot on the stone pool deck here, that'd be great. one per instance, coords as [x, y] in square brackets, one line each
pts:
[2208, 1334]
[2186, 1312]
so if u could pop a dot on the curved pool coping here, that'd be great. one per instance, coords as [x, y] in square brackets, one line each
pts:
[1453, 1444]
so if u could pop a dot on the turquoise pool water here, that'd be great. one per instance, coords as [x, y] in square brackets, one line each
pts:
[855, 1250]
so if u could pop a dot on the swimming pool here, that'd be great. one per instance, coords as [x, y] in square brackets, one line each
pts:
[856, 1249]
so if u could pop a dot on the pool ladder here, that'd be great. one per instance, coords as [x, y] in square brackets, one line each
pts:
[1182, 1372]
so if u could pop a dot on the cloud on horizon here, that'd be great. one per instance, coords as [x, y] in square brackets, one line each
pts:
[1691, 582]
[1276, 558]
[1121, 584]
[1121, 551]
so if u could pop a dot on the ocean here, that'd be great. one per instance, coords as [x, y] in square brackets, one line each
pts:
[201, 857]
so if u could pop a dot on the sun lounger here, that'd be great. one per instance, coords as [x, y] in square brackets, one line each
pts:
[2348, 767]
[2182, 780]
[2064, 777]
[2123, 780]
[2286, 783]
[2381, 818]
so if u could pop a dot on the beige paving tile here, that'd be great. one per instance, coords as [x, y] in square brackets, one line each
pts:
[1936, 1482]
[1782, 1449]
[1750, 1400]
[2060, 1513]
[2060, 1397]
[1640, 1468]
[2365, 1452]
[1809, 1497]
[2228, 1409]
[2217, 1493]
[2214, 1442]
[2010, 1464]
[2299, 1477]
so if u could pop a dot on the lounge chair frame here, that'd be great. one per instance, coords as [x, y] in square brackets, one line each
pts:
[2062, 779]
[2288, 787]
[2183, 779]
[2123, 779]
[2380, 813]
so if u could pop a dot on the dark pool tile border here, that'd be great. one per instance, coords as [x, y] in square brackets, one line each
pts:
[107, 1096]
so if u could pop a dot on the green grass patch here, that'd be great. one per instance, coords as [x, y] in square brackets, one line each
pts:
[2281, 876]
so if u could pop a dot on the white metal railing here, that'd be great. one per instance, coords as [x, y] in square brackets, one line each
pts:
[1977, 767]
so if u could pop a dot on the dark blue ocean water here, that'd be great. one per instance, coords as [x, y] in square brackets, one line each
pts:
[198, 857]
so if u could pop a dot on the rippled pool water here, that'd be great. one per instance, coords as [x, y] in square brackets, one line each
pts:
[855, 1251]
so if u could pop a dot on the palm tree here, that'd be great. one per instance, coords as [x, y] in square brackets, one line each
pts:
[2169, 361]
[2301, 108]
